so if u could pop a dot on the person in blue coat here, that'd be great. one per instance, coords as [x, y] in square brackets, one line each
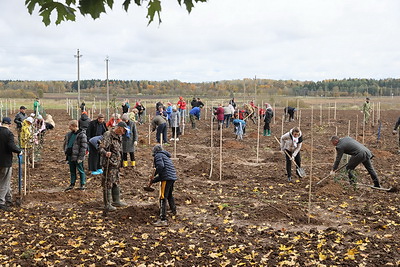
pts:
[165, 173]
[240, 127]
[194, 115]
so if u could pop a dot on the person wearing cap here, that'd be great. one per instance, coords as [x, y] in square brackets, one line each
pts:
[19, 118]
[129, 141]
[110, 149]
[366, 109]
[84, 121]
[75, 146]
[125, 106]
[96, 128]
[7, 147]
[165, 173]
[175, 121]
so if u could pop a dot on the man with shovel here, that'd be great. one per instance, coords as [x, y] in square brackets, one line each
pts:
[111, 156]
[291, 143]
[7, 147]
[359, 154]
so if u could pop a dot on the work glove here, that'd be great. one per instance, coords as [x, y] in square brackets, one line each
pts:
[291, 158]
[21, 153]
[79, 161]
[394, 132]
[135, 143]
[332, 173]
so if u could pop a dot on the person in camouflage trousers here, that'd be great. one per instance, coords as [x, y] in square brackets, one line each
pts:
[366, 109]
[111, 158]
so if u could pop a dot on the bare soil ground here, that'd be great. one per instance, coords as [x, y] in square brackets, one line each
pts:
[252, 216]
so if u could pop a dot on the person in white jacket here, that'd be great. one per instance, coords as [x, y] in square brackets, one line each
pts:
[291, 143]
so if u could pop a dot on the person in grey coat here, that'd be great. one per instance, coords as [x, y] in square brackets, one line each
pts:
[175, 119]
[75, 146]
[159, 122]
[129, 141]
[165, 173]
[359, 154]
[7, 148]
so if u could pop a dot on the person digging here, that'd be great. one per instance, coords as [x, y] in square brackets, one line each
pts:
[359, 154]
[165, 173]
[110, 149]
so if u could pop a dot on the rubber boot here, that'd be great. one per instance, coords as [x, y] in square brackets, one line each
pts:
[107, 200]
[269, 133]
[133, 163]
[265, 133]
[116, 197]
[163, 217]
[125, 163]
[172, 206]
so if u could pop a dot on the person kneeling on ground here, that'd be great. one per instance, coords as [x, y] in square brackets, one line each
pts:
[291, 142]
[359, 154]
[166, 174]
[75, 146]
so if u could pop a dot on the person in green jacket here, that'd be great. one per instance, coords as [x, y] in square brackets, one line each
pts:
[36, 106]
[366, 109]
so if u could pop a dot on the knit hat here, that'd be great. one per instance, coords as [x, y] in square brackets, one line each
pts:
[6, 120]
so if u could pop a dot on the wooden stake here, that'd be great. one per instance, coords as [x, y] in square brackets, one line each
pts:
[356, 127]
[299, 117]
[149, 131]
[25, 170]
[320, 114]
[334, 114]
[283, 118]
[363, 130]
[329, 113]
[220, 152]
[258, 136]
[373, 114]
[311, 167]
[211, 144]
[275, 114]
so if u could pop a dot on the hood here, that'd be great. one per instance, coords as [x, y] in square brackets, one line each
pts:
[84, 117]
[166, 153]
[292, 135]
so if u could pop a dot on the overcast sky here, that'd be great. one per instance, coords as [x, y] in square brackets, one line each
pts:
[219, 40]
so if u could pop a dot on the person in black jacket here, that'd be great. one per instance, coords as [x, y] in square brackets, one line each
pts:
[7, 147]
[19, 118]
[289, 113]
[75, 146]
[269, 114]
[84, 121]
[359, 154]
[166, 174]
[96, 127]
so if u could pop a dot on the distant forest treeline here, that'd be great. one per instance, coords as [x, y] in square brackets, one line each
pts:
[327, 88]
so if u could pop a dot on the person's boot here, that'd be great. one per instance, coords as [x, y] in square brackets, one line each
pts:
[116, 197]
[133, 163]
[125, 163]
[107, 200]
[265, 133]
[269, 133]
[172, 206]
[69, 188]
[163, 217]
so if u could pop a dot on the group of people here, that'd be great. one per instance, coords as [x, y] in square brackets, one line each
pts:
[108, 145]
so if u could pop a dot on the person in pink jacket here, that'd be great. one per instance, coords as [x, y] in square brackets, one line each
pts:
[220, 115]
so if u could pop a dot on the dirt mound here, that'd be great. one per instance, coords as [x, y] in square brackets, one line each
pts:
[233, 144]
[382, 154]
[136, 214]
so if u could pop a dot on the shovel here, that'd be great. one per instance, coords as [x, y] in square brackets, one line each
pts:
[330, 175]
[300, 171]
[148, 188]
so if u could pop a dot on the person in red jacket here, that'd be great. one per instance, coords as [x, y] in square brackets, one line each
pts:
[182, 108]
[220, 115]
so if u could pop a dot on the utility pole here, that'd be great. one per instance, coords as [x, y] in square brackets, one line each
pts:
[108, 90]
[79, 80]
